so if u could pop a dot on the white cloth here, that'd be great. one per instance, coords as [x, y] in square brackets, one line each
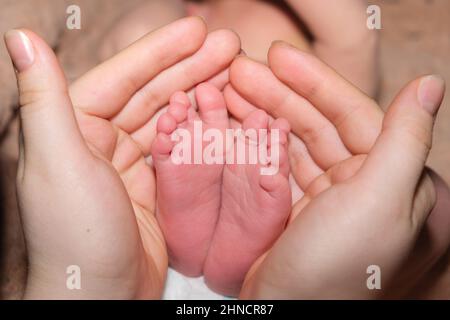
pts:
[179, 287]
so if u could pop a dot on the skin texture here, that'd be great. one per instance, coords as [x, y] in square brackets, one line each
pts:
[330, 226]
[253, 213]
[438, 237]
[226, 205]
[14, 14]
[120, 24]
[84, 152]
[189, 195]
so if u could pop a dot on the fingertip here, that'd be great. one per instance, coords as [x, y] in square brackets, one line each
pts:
[277, 48]
[430, 93]
[246, 73]
[227, 43]
[20, 49]
[282, 56]
[195, 24]
[198, 19]
[238, 67]
[277, 44]
[232, 39]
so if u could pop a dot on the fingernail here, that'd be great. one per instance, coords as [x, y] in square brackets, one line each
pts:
[431, 92]
[20, 49]
[282, 43]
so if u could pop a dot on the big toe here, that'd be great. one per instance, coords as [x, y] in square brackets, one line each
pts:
[211, 105]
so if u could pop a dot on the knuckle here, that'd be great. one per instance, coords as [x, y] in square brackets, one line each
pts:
[32, 96]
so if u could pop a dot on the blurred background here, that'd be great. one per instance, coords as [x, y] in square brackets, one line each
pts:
[414, 40]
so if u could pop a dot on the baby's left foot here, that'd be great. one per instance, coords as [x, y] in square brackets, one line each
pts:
[188, 194]
[253, 212]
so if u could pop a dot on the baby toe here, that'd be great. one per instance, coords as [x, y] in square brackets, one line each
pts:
[277, 185]
[211, 105]
[162, 147]
[178, 112]
[166, 124]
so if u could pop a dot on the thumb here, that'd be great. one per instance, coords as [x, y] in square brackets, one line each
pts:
[47, 118]
[397, 160]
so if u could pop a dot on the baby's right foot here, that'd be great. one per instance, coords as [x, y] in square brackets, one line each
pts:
[188, 195]
[254, 208]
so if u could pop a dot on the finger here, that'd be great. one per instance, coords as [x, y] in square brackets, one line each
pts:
[402, 148]
[236, 105]
[337, 174]
[215, 55]
[257, 84]
[49, 127]
[303, 167]
[356, 117]
[221, 79]
[102, 92]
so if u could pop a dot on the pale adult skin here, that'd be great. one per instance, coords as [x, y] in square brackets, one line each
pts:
[368, 196]
[86, 193]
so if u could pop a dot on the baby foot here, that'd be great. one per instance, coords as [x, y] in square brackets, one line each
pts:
[253, 212]
[188, 195]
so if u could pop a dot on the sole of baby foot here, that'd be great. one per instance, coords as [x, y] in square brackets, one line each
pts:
[255, 208]
[188, 194]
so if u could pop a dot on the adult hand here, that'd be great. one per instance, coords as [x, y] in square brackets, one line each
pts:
[367, 197]
[86, 194]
